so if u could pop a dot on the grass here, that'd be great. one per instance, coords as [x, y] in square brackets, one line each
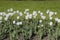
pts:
[32, 5]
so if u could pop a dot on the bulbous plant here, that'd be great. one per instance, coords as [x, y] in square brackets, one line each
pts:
[28, 25]
[4, 29]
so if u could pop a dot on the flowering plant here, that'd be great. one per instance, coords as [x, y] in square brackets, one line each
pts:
[15, 23]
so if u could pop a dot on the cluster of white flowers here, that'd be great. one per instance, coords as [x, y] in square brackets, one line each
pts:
[51, 14]
[57, 19]
[28, 16]
[19, 23]
[34, 14]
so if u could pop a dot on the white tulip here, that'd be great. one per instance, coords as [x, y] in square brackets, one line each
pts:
[20, 14]
[41, 14]
[13, 22]
[26, 10]
[17, 11]
[34, 13]
[47, 11]
[56, 19]
[39, 11]
[1, 13]
[43, 17]
[18, 17]
[51, 23]
[26, 17]
[50, 18]
[14, 12]
[10, 14]
[40, 21]
[19, 23]
[51, 13]
[34, 16]
[55, 13]
[6, 18]
[30, 16]
[10, 10]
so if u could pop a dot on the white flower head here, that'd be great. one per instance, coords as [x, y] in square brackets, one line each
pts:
[18, 17]
[50, 18]
[10, 14]
[17, 11]
[47, 11]
[51, 23]
[14, 22]
[51, 13]
[6, 18]
[30, 16]
[56, 19]
[39, 11]
[43, 17]
[34, 16]
[10, 10]
[40, 21]
[34, 13]
[1, 13]
[19, 23]
[27, 17]
[55, 13]
[20, 14]
[26, 10]
[14, 12]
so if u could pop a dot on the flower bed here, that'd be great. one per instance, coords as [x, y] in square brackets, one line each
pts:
[17, 25]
